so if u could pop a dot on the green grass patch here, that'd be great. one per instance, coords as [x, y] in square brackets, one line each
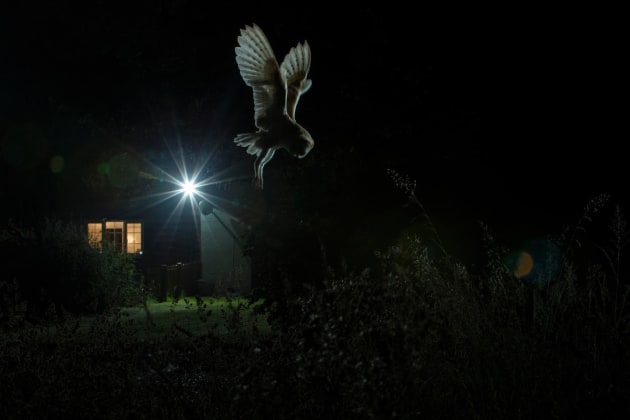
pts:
[183, 318]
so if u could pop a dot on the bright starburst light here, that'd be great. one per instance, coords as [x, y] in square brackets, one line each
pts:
[189, 188]
[186, 185]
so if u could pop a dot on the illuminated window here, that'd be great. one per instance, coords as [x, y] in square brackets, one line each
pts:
[114, 234]
[134, 238]
[95, 235]
[123, 236]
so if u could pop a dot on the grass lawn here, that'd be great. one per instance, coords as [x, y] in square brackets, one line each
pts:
[185, 318]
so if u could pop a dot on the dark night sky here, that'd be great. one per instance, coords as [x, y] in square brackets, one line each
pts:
[507, 115]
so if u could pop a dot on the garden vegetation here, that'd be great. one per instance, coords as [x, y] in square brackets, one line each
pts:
[416, 335]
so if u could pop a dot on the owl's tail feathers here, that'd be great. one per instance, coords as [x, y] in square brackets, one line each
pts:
[249, 140]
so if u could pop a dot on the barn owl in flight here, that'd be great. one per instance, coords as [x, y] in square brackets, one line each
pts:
[277, 90]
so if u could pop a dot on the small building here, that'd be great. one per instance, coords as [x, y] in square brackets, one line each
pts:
[179, 240]
[224, 268]
[200, 253]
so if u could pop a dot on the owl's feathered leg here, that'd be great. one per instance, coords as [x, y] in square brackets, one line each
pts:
[259, 164]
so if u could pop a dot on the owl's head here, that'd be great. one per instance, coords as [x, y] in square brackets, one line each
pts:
[302, 145]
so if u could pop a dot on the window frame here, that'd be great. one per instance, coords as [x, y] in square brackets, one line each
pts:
[119, 233]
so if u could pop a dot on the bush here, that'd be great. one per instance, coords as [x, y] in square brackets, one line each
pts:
[53, 264]
[417, 336]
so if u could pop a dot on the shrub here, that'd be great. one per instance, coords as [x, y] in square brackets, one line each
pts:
[54, 264]
[416, 336]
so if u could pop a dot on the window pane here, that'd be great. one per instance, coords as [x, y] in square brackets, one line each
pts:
[134, 237]
[114, 234]
[114, 225]
[95, 234]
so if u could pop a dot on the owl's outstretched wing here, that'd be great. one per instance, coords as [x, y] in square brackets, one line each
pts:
[295, 67]
[259, 68]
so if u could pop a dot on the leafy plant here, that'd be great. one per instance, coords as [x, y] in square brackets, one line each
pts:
[52, 263]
